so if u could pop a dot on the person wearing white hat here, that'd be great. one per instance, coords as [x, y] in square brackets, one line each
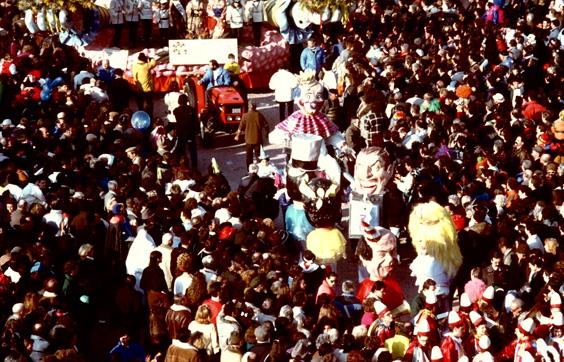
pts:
[166, 251]
[482, 349]
[437, 354]
[419, 350]
[452, 345]
[522, 348]
[384, 326]
[556, 337]
[428, 313]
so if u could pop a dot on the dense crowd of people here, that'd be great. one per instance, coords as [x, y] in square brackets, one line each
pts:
[112, 236]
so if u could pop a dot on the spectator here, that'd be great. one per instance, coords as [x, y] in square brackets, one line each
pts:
[144, 82]
[253, 125]
[312, 57]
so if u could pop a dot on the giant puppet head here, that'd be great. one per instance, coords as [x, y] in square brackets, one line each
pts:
[312, 93]
[294, 18]
[377, 251]
[303, 163]
[372, 171]
[433, 233]
[321, 202]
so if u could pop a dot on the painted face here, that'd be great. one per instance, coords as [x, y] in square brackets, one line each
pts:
[370, 170]
[383, 255]
[312, 98]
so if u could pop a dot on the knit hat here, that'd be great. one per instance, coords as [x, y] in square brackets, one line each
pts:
[380, 309]
[527, 326]
[463, 91]
[476, 319]
[488, 295]
[454, 320]
[484, 343]
[436, 354]
[555, 300]
[465, 302]
[422, 328]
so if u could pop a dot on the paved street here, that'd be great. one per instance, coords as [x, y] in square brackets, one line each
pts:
[231, 158]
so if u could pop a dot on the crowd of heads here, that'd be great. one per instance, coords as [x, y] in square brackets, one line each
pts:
[106, 228]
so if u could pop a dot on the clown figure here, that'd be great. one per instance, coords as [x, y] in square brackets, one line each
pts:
[438, 256]
[377, 250]
[309, 120]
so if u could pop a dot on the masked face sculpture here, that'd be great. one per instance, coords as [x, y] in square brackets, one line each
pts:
[372, 171]
[312, 97]
[321, 202]
[377, 251]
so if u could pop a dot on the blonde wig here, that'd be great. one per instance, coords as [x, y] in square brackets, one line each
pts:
[433, 232]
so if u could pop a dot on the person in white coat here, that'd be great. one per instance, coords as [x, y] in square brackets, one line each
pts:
[283, 83]
[138, 256]
[254, 14]
[146, 18]
[166, 250]
[235, 17]
[163, 21]
[132, 20]
[117, 19]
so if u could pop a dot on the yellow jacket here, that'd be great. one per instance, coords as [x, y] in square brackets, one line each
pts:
[142, 75]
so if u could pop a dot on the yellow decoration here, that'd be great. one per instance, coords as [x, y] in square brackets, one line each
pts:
[433, 233]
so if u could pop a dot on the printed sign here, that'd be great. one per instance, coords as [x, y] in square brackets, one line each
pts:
[200, 51]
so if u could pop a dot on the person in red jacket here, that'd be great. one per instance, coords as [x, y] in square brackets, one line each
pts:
[419, 350]
[384, 326]
[327, 288]
[428, 312]
[452, 346]
[480, 329]
[522, 348]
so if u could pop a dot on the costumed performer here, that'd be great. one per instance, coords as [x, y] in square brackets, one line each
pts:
[310, 120]
[434, 237]
[294, 18]
[372, 193]
[322, 203]
[301, 168]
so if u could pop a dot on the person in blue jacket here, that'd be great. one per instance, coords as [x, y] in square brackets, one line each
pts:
[312, 56]
[215, 75]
